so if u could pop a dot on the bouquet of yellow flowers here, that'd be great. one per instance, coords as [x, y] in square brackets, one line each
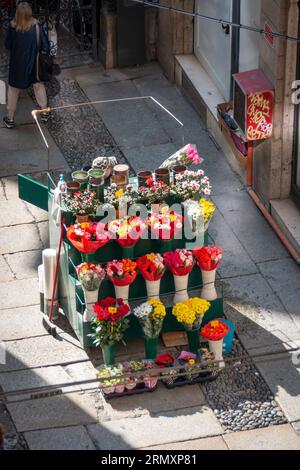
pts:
[151, 315]
[191, 312]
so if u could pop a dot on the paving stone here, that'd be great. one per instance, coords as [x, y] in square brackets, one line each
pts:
[283, 378]
[211, 443]
[83, 371]
[57, 411]
[284, 277]
[43, 228]
[296, 426]
[38, 214]
[250, 227]
[24, 264]
[11, 187]
[33, 379]
[14, 212]
[258, 314]
[2, 194]
[22, 238]
[40, 351]
[145, 431]
[22, 322]
[272, 438]
[236, 261]
[19, 293]
[5, 271]
[160, 401]
[150, 157]
[70, 438]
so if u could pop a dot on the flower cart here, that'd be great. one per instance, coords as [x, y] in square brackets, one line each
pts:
[122, 241]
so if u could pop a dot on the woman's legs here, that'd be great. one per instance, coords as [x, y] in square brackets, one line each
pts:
[12, 100]
[40, 94]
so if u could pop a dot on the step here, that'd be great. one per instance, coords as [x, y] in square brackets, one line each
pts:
[287, 214]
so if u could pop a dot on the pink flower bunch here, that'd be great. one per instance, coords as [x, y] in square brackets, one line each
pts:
[193, 156]
[180, 262]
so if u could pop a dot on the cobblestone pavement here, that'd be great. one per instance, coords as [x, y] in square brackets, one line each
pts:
[259, 299]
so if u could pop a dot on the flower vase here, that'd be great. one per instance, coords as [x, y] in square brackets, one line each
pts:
[90, 298]
[208, 291]
[216, 347]
[122, 292]
[153, 288]
[151, 347]
[181, 286]
[109, 353]
[128, 252]
[193, 340]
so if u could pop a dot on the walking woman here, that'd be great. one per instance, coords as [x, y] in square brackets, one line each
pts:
[21, 41]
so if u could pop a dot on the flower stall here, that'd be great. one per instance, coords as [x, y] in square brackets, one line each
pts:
[135, 260]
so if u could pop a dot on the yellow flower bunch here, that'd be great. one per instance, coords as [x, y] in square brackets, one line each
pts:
[191, 311]
[208, 209]
[158, 309]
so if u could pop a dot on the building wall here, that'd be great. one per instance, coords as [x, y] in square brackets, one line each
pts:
[273, 158]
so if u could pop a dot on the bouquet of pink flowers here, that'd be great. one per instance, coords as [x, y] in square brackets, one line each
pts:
[180, 262]
[88, 237]
[187, 156]
[208, 257]
[190, 184]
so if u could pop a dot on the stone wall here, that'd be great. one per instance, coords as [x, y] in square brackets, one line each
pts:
[273, 159]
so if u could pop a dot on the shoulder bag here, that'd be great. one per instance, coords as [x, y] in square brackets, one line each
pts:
[44, 61]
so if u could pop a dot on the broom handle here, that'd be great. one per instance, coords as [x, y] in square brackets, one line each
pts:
[56, 269]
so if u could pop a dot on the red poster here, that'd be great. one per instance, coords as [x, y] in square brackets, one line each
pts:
[260, 115]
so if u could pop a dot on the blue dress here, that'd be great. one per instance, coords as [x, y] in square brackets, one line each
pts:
[23, 51]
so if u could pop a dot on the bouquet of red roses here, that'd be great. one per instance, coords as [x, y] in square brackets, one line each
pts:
[166, 225]
[208, 257]
[88, 237]
[215, 330]
[110, 322]
[151, 267]
[127, 231]
[121, 273]
[180, 262]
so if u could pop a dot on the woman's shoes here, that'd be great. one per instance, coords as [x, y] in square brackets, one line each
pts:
[9, 123]
[45, 117]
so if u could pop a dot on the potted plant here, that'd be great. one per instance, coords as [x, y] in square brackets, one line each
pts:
[215, 332]
[152, 268]
[190, 184]
[153, 192]
[122, 274]
[180, 262]
[150, 375]
[190, 313]
[82, 204]
[90, 275]
[109, 326]
[208, 258]
[151, 315]
[107, 384]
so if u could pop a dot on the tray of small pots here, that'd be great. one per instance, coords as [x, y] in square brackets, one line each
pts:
[196, 368]
[129, 378]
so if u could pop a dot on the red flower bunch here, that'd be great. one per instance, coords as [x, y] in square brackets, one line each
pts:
[110, 309]
[215, 330]
[164, 360]
[127, 231]
[165, 225]
[151, 267]
[208, 257]
[88, 237]
[180, 262]
[121, 273]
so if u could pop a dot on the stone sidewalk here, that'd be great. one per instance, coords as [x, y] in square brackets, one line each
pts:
[260, 284]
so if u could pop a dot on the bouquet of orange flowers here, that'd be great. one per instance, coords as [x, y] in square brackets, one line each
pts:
[121, 273]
